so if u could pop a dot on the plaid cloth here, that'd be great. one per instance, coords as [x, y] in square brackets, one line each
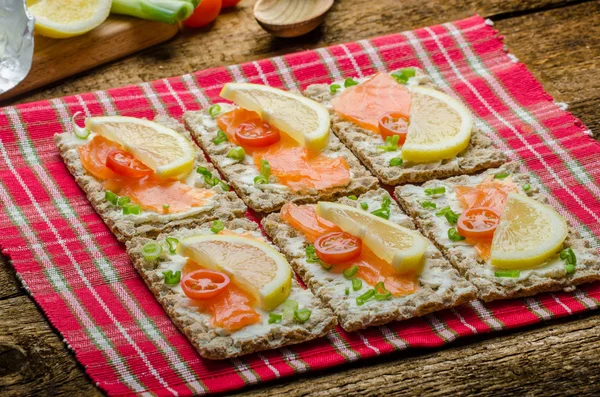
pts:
[81, 278]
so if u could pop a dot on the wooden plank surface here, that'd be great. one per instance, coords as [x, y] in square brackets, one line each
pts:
[560, 43]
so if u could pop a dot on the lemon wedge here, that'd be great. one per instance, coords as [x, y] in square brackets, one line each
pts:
[66, 18]
[529, 233]
[254, 266]
[401, 247]
[168, 153]
[439, 128]
[303, 119]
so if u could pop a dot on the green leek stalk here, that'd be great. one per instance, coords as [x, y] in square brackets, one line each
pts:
[168, 11]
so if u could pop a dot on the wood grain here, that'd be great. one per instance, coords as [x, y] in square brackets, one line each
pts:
[560, 43]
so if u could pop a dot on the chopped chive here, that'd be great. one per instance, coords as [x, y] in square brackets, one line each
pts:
[433, 191]
[382, 213]
[501, 175]
[386, 202]
[217, 226]
[111, 197]
[429, 204]
[453, 235]
[260, 180]
[123, 200]
[349, 82]
[507, 273]
[302, 315]
[364, 205]
[237, 153]
[151, 250]
[526, 187]
[80, 132]
[214, 110]
[132, 209]
[172, 278]
[350, 272]
[403, 75]
[356, 284]
[275, 318]
[265, 173]
[396, 161]
[570, 269]
[166, 207]
[223, 185]
[311, 257]
[569, 256]
[204, 171]
[361, 299]
[352, 197]
[381, 293]
[210, 181]
[391, 144]
[220, 138]
[333, 88]
[347, 291]
[288, 308]
[172, 242]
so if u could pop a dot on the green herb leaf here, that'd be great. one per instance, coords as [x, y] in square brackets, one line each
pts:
[429, 204]
[111, 197]
[172, 242]
[364, 205]
[237, 153]
[333, 88]
[151, 250]
[356, 284]
[214, 110]
[220, 138]
[217, 226]
[302, 315]
[453, 235]
[172, 278]
[349, 82]
[434, 191]
[275, 318]
[350, 272]
[507, 273]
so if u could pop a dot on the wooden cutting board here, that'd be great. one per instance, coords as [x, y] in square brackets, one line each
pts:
[55, 59]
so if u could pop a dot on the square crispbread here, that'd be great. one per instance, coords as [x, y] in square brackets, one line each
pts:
[440, 285]
[215, 343]
[479, 155]
[267, 198]
[464, 257]
[225, 205]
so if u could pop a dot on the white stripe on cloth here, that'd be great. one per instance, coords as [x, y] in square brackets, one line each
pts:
[485, 315]
[391, 337]
[174, 94]
[192, 85]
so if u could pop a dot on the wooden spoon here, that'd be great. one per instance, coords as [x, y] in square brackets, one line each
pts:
[290, 18]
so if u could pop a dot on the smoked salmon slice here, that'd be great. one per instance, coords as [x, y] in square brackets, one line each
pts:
[93, 156]
[366, 102]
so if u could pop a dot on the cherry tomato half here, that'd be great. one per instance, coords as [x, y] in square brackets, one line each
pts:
[394, 123]
[337, 247]
[478, 222]
[257, 133]
[204, 284]
[125, 164]
[206, 12]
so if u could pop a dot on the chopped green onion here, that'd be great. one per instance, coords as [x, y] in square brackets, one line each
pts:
[111, 197]
[302, 315]
[501, 175]
[166, 207]
[349, 82]
[123, 200]
[80, 132]
[350, 272]
[570, 269]
[311, 257]
[204, 171]
[217, 226]
[151, 250]
[172, 242]
[237, 153]
[526, 187]
[361, 299]
[382, 213]
[568, 255]
[333, 88]
[347, 291]
[386, 202]
[433, 191]
[451, 216]
[165, 11]
[220, 138]
[260, 180]
[223, 185]
[356, 284]
[381, 293]
[132, 209]
[364, 205]
[403, 75]
[429, 204]
[265, 173]
[211, 181]
[507, 273]
[453, 235]
[275, 318]
[172, 278]
[288, 308]
[352, 197]
[396, 161]
[214, 110]
[391, 144]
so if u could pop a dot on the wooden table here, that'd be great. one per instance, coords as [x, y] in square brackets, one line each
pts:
[560, 43]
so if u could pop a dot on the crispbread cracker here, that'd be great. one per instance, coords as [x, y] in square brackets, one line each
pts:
[479, 155]
[440, 286]
[266, 198]
[216, 343]
[226, 204]
[465, 259]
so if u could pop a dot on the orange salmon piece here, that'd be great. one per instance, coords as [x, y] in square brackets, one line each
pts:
[93, 156]
[231, 309]
[366, 102]
[305, 219]
[294, 166]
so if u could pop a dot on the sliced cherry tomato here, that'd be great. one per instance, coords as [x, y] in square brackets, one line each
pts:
[206, 12]
[257, 133]
[337, 247]
[478, 222]
[394, 123]
[125, 164]
[204, 284]
[93, 156]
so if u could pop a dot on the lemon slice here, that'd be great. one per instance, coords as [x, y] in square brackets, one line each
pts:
[528, 234]
[439, 128]
[254, 266]
[401, 247]
[303, 119]
[66, 18]
[168, 153]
